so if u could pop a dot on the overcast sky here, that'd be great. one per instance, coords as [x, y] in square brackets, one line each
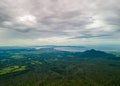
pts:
[59, 22]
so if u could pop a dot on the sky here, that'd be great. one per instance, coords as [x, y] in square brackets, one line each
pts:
[59, 22]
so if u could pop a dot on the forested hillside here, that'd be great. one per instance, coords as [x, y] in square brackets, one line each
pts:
[50, 67]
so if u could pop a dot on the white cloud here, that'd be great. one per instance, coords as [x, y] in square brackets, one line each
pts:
[23, 21]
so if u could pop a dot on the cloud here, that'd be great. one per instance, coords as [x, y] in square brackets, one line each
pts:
[91, 36]
[51, 19]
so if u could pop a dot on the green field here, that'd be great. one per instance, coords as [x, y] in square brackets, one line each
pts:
[12, 69]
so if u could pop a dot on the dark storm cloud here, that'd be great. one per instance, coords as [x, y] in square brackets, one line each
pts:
[90, 36]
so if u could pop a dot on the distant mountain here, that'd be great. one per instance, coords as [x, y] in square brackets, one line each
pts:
[96, 53]
[56, 46]
[89, 53]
